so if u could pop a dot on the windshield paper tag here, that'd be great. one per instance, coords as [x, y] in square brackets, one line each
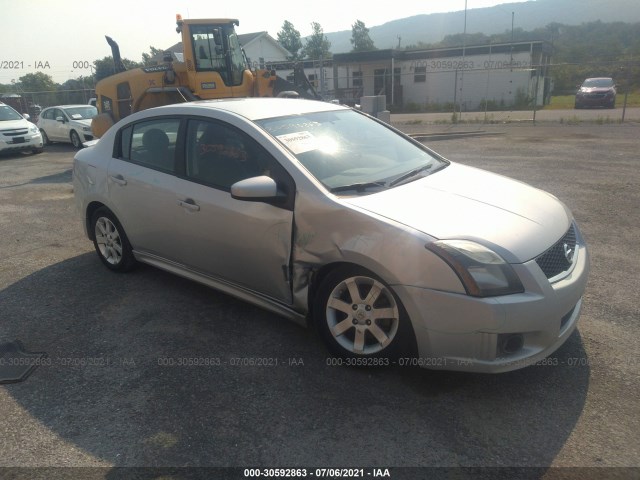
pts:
[299, 142]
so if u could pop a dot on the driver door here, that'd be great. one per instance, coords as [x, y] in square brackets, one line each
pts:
[246, 243]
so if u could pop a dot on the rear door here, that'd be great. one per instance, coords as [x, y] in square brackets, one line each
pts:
[141, 185]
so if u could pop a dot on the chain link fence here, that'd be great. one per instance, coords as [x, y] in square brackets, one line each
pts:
[468, 90]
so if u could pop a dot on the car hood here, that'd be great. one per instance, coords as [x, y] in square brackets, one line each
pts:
[596, 89]
[458, 202]
[85, 122]
[14, 124]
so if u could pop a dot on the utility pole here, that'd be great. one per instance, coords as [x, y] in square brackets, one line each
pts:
[464, 46]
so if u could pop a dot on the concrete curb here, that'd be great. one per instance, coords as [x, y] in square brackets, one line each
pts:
[451, 135]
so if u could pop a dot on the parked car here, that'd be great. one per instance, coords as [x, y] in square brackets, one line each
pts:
[67, 123]
[17, 133]
[596, 92]
[325, 215]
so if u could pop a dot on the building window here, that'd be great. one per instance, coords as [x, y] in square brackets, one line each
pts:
[357, 79]
[313, 80]
[420, 74]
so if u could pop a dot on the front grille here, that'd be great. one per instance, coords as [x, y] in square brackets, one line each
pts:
[554, 261]
[15, 132]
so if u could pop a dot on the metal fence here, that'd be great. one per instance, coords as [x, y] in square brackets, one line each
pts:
[481, 91]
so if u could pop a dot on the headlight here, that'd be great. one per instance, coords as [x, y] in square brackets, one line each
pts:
[33, 129]
[86, 129]
[483, 272]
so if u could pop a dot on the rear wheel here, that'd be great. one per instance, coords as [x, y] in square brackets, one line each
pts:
[359, 316]
[111, 242]
[75, 139]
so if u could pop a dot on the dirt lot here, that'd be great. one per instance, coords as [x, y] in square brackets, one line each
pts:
[111, 397]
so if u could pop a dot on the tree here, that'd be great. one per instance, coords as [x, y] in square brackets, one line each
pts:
[360, 38]
[289, 38]
[149, 59]
[105, 67]
[317, 45]
[37, 82]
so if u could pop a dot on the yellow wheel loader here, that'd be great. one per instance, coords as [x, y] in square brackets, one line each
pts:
[212, 65]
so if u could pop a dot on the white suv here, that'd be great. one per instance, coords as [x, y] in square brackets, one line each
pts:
[17, 133]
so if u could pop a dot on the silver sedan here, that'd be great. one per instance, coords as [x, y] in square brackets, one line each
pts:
[328, 217]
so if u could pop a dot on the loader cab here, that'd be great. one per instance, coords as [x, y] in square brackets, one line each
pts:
[216, 65]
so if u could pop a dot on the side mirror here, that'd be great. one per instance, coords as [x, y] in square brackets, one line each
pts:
[26, 116]
[255, 189]
[60, 119]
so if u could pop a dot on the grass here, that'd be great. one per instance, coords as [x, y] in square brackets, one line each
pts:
[563, 102]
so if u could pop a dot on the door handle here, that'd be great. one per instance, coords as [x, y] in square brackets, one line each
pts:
[189, 204]
[119, 179]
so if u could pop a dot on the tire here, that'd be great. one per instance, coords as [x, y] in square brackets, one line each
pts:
[36, 151]
[359, 316]
[111, 242]
[45, 138]
[75, 139]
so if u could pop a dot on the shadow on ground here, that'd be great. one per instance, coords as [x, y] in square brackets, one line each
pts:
[148, 369]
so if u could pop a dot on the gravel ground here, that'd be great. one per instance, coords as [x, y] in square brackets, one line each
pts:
[108, 398]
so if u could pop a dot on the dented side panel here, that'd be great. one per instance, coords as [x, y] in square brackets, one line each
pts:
[327, 231]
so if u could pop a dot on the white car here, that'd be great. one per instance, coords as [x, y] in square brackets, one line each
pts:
[17, 133]
[67, 123]
[325, 215]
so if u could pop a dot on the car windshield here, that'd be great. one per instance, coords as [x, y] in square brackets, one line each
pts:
[7, 113]
[598, 82]
[81, 113]
[345, 150]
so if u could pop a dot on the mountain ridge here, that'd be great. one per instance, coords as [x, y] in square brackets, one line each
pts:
[431, 28]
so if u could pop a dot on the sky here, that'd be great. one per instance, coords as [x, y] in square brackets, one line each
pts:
[61, 38]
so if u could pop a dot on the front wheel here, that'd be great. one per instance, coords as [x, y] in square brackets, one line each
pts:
[45, 138]
[111, 242]
[75, 139]
[359, 316]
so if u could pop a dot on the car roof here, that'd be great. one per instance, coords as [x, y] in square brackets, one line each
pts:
[70, 106]
[255, 108]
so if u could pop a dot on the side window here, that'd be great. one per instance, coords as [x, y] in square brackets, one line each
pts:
[49, 114]
[220, 155]
[152, 144]
[124, 150]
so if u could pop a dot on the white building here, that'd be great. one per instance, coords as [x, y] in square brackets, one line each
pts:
[505, 74]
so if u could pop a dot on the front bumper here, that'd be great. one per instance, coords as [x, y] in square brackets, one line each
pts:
[460, 332]
[86, 136]
[29, 142]
[595, 100]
